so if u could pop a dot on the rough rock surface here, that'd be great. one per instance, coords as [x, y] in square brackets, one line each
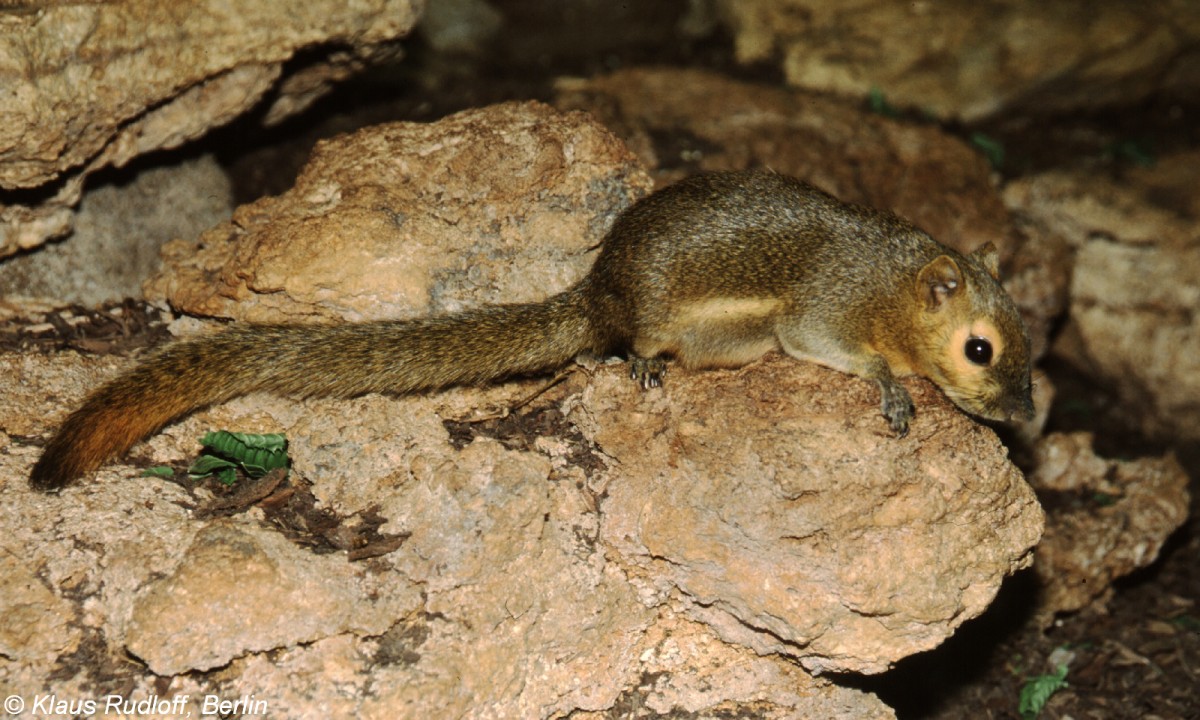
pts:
[919, 172]
[90, 85]
[170, 625]
[417, 229]
[810, 530]
[119, 229]
[1105, 518]
[535, 581]
[965, 59]
[506, 600]
[1133, 295]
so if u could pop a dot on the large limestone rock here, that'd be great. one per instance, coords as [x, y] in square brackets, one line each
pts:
[708, 535]
[96, 84]
[1106, 518]
[771, 504]
[966, 59]
[119, 228]
[637, 535]
[399, 219]
[1134, 292]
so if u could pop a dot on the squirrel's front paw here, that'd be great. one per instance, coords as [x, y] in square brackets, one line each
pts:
[648, 371]
[897, 406]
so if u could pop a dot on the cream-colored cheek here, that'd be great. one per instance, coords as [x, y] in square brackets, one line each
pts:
[959, 365]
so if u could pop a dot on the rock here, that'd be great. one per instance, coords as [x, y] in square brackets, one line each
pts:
[460, 26]
[547, 586]
[37, 625]
[85, 558]
[98, 84]
[500, 204]
[497, 590]
[597, 548]
[919, 172]
[118, 231]
[810, 530]
[1133, 294]
[685, 672]
[967, 60]
[1104, 518]
[245, 589]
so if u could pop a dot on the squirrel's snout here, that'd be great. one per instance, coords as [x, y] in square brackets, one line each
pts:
[1020, 408]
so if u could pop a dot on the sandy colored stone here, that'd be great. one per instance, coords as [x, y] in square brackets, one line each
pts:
[264, 592]
[962, 59]
[97, 84]
[501, 204]
[118, 230]
[686, 671]
[680, 668]
[88, 556]
[36, 624]
[1133, 295]
[1104, 518]
[775, 505]
[923, 174]
[530, 603]
[514, 605]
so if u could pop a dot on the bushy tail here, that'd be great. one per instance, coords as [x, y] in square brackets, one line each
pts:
[301, 361]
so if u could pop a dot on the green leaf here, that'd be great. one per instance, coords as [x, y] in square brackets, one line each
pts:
[255, 454]
[158, 471]
[1187, 622]
[227, 475]
[209, 464]
[878, 104]
[991, 148]
[1037, 692]
[1137, 151]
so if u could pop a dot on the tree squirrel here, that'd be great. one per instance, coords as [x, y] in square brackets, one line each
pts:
[713, 271]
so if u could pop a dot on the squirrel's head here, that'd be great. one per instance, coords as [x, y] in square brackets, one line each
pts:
[981, 353]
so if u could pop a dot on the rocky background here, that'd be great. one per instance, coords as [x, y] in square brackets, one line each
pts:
[744, 543]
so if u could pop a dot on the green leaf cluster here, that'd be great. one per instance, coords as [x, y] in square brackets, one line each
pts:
[1038, 690]
[226, 451]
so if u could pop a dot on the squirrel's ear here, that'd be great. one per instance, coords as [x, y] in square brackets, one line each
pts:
[989, 257]
[939, 281]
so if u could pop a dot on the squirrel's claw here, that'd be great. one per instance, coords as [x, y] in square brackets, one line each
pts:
[648, 372]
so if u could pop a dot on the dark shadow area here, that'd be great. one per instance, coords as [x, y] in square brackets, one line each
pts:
[923, 685]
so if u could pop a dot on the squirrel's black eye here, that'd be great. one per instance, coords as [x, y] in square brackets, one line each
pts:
[978, 350]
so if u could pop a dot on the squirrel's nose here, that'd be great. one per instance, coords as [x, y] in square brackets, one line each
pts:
[1020, 407]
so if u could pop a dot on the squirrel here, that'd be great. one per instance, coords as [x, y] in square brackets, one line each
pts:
[713, 271]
